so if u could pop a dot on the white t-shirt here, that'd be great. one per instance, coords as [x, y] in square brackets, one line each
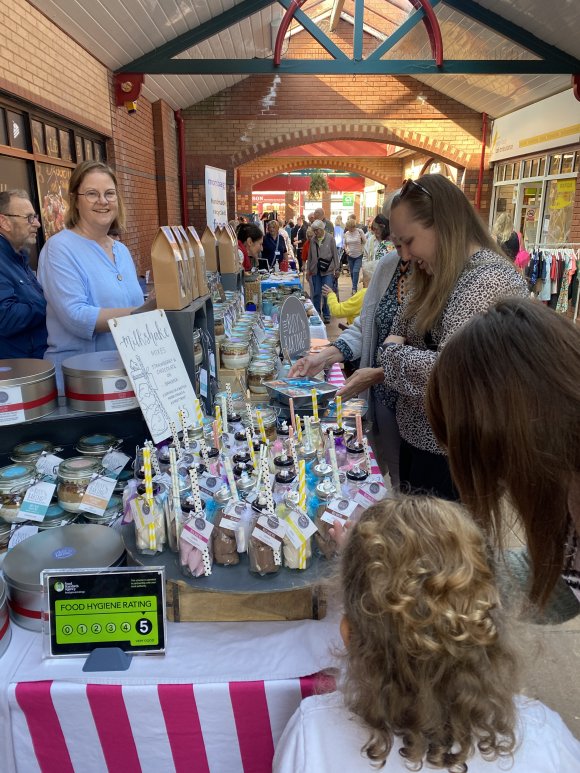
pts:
[323, 736]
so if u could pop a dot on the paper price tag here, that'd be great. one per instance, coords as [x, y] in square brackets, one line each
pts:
[209, 484]
[212, 369]
[339, 510]
[299, 528]
[47, 464]
[370, 493]
[197, 532]
[96, 497]
[143, 514]
[269, 530]
[19, 533]
[203, 382]
[36, 501]
[260, 334]
[115, 461]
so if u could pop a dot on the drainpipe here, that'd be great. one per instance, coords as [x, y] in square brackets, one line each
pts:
[181, 162]
[482, 160]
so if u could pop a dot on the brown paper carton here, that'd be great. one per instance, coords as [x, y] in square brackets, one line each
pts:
[181, 233]
[170, 280]
[199, 254]
[229, 260]
[210, 248]
[184, 249]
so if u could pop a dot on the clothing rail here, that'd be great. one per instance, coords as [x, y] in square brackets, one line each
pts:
[565, 246]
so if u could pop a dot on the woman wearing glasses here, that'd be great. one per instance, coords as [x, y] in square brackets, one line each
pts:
[87, 276]
[457, 273]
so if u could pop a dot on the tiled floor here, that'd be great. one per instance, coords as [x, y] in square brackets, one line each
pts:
[550, 654]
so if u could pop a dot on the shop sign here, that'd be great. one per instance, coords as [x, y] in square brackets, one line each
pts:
[85, 609]
[530, 214]
[294, 329]
[347, 199]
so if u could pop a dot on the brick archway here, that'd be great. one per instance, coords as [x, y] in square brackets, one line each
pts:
[272, 167]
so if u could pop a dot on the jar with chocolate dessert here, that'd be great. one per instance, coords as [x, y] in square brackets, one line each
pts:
[235, 353]
[225, 551]
[269, 419]
[266, 538]
[150, 519]
[73, 477]
[258, 372]
[326, 544]
[15, 480]
[284, 483]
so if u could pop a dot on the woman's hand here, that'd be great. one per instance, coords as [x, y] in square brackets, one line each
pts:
[310, 365]
[394, 340]
[149, 305]
[326, 290]
[339, 532]
[362, 379]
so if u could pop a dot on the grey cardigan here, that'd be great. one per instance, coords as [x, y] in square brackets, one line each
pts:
[361, 336]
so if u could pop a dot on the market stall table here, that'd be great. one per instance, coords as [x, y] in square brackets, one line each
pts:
[278, 281]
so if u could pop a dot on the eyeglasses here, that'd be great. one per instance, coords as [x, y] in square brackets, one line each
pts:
[408, 185]
[93, 196]
[30, 218]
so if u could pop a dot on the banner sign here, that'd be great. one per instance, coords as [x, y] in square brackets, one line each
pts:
[216, 198]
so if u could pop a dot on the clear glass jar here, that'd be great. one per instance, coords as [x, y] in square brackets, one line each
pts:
[55, 518]
[258, 372]
[225, 551]
[297, 541]
[195, 560]
[97, 445]
[150, 521]
[197, 348]
[265, 544]
[30, 451]
[218, 325]
[269, 419]
[73, 477]
[327, 546]
[5, 531]
[15, 480]
[245, 485]
[235, 354]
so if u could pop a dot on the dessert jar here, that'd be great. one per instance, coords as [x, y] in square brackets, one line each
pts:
[218, 325]
[197, 348]
[30, 451]
[73, 477]
[225, 549]
[15, 480]
[298, 539]
[235, 353]
[269, 419]
[195, 546]
[5, 531]
[258, 372]
[150, 519]
[265, 543]
[326, 545]
[245, 485]
[97, 445]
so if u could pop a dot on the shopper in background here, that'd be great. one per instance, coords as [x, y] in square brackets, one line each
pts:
[250, 239]
[22, 303]
[351, 308]
[88, 278]
[503, 400]
[273, 247]
[457, 273]
[430, 673]
[354, 241]
[505, 235]
[319, 214]
[289, 249]
[322, 266]
[339, 233]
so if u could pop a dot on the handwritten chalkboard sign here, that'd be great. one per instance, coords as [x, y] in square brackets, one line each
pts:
[294, 329]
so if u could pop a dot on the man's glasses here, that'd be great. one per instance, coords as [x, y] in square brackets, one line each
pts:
[30, 218]
[409, 185]
[93, 196]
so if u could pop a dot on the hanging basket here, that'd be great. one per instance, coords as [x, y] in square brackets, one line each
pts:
[318, 184]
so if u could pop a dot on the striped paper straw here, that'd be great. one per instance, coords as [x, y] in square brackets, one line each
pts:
[224, 413]
[198, 413]
[339, 411]
[154, 459]
[203, 449]
[230, 400]
[292, 414]
[218, 421]
[314, 404]
[250, 440]
[299, 429]
[195, 490]
[302, 484]
[250, 418]
[181, 414]
[216, 434]
[231, 479]
[149, 494]
[261, 426]
[359, 432]
[367, 454]
[334, 464]
[307, 431]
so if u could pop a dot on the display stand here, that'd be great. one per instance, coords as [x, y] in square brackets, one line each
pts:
[107, 659]
[199, 314]
[233, 281]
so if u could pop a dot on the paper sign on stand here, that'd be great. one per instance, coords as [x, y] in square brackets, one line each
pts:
[216, 198]
[156, 370]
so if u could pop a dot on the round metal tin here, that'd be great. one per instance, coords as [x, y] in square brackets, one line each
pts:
[97, 382]
[5, 631]
[27, 390]
[71, 547]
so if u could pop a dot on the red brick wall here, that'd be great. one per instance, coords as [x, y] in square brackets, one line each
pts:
[166, 164]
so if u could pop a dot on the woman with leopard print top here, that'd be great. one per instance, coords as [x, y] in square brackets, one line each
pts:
[457, 273]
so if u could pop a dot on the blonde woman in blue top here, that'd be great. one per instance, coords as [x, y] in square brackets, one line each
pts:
[88, 277]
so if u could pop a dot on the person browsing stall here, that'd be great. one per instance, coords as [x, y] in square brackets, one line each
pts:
[88, 278]
[457, 273]
[322, 265]
[352, 307]
[22, 303]
[273, 247]
[430, 675]
[250, 239]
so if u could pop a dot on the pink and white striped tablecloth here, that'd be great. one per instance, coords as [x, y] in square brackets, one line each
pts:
[335, 375]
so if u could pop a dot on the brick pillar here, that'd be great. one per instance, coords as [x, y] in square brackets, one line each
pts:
[166, 164]
[357, 207]
[326, 203]
[244, 201]
[196, 186]
[290, 209]
[469, 187]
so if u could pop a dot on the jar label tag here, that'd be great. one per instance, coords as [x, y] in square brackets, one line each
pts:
[36, 501]
[115, 461]
[47, 464]
[19, 533]
[300, 528]
[203, 382]
[10, 398]
[197, 531]
[97, 495]
[369, 493]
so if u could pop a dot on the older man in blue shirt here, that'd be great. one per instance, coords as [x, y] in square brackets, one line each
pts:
[22, 304]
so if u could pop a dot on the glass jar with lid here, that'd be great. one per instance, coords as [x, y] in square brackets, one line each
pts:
[265, 543]
[298, 539]
[197, 348]
[269, 419]
[30, 451]
[15, 480]
[195, 548]
[108, 518]
[5, 532]
[97, 445]
[235, 353]
[225, 550]
[73, 477]
[218, 324]
[258, 372]
[54, 518]
[150, 519]
[326, 544]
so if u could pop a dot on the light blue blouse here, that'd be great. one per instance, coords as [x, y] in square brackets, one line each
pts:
[78, 279]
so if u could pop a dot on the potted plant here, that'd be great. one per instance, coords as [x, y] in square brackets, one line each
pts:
[318, 183]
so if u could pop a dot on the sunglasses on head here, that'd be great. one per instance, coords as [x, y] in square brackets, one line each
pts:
[410, 185]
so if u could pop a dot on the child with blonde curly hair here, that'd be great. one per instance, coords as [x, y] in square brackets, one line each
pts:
[430, 678]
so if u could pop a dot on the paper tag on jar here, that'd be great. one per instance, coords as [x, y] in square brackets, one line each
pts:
[269, 530]
[232, 516]
[209, 484]
[212, 370]
[115, 461]
[370, 493]
[299, 528]
[36, 501]
[143, 513]
[197, 531]
[203, 382]
[47, 464]
[338, 510]
[19, 533]
[97, 495]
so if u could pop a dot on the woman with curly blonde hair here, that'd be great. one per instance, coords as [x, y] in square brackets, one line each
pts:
[430, 676]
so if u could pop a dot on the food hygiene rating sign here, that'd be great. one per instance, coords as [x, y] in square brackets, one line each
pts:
[90, 608]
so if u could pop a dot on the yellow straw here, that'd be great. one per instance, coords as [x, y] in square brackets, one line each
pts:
[299, 429]
[149, 494]
[339, 411]
[218, 418]
[302, 484]
[261, 426]
[314, 404]
[198, 413]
